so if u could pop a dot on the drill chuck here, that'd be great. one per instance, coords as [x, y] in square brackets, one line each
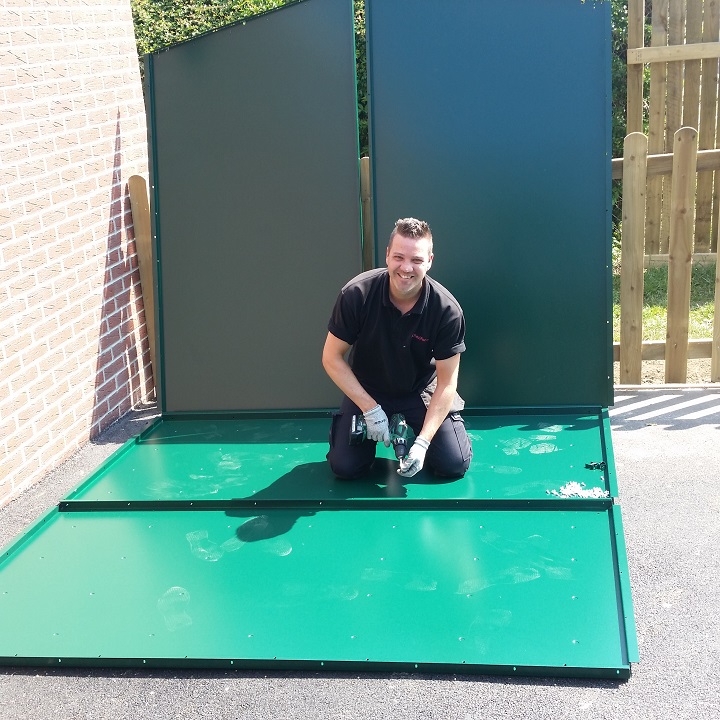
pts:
[401, 435]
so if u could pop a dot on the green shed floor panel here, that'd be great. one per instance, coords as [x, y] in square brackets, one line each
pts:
[537, 591]
[526, 456]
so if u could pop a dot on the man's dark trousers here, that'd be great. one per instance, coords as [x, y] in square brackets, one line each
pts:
[448, 456]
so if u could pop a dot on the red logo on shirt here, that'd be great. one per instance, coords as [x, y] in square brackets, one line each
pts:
[421, 339]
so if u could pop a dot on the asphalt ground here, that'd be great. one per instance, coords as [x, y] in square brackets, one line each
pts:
[667, 452]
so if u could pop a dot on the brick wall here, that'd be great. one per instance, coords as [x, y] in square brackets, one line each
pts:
[74, 353]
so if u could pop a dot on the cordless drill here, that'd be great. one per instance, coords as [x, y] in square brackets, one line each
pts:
[401, 434]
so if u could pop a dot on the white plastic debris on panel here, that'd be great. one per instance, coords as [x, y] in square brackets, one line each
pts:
[576, 489]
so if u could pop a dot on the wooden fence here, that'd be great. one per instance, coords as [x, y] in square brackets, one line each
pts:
[637, 168]
[670, 184]
[683, 66]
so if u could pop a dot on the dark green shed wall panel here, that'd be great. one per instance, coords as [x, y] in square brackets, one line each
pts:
[492, 122]
[256, 203]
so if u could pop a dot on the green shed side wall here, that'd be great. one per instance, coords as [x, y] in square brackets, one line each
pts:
[256, 206]
[491, 120]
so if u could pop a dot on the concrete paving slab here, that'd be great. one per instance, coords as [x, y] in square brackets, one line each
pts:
[667, 451]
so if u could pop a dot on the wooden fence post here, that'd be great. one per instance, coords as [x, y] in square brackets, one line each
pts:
[636, 39]
[656, 128]
[715, 362]
[367, 219]
[682, 206]
[631, 271]
[140, 208]
[705, 223]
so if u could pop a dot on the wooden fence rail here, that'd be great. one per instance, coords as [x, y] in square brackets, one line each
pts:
[682, 165]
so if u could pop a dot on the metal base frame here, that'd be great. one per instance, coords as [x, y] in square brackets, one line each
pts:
[225, 541]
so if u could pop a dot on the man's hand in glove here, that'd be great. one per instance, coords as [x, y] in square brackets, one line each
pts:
[377, 425]
[413, 462]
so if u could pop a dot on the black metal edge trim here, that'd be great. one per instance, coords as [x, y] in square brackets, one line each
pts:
[390, 504]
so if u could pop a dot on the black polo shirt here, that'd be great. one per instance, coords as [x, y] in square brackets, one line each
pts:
[395, 354]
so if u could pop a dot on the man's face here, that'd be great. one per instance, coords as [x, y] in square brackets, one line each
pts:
[408, 261]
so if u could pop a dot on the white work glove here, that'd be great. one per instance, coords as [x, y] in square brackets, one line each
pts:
[377, 425]
[412, 463]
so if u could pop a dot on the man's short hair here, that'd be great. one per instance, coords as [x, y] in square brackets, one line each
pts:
[412, 228]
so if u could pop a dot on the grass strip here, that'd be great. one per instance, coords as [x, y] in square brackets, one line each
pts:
[702, 303]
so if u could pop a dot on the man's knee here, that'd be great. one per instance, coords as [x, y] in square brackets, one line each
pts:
[450, 466]
[347, 466]
[347, 461]
[451, 451]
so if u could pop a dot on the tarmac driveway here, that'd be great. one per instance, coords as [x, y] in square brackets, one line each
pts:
[667, 452]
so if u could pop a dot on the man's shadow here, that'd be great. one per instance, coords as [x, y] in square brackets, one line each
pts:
[311, 488]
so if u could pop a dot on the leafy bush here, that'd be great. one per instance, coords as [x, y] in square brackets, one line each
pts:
[159, 23]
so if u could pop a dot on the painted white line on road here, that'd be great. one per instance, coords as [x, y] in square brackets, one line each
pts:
[674, 408]
[702, 413]
[643, 403]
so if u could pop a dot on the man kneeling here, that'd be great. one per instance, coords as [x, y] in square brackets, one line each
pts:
[404, 333]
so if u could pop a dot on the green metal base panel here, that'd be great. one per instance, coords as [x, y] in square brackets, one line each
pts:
[525, 456]
[291, 568]
[520, 588]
